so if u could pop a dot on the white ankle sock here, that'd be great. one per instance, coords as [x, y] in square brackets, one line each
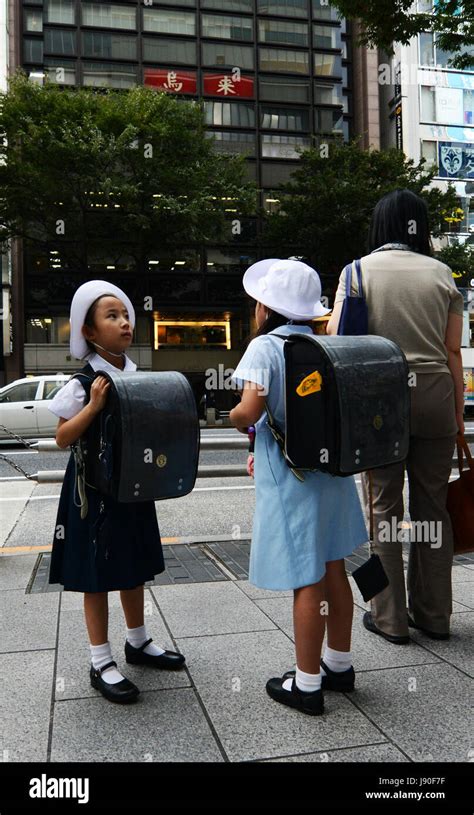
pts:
[137, 636]
[337, 661]
[309, 683]
[101, 655]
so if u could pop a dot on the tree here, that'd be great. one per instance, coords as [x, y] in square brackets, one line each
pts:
[326, 208]
[387, 21]
[85, 172]
[460, 258]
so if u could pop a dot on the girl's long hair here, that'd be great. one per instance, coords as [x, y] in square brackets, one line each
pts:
[401, 217]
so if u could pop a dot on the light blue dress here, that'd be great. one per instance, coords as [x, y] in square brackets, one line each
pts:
[298, 526]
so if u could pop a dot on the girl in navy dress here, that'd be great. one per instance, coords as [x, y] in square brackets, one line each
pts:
[302, 530]
[101, 545]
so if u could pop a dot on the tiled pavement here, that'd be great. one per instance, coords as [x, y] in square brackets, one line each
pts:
[411, 703]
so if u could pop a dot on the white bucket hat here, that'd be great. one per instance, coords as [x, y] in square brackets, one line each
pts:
[290, 287]
[81, 303]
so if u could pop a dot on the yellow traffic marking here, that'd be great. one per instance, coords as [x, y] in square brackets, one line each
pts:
[11, 550]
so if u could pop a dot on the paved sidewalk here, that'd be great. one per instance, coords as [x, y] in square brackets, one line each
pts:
[411, 703]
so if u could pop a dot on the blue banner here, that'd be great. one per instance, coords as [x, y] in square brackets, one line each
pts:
[456, 160]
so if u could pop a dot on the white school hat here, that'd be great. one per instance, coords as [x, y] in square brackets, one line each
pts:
[290, 287]
[81, 303]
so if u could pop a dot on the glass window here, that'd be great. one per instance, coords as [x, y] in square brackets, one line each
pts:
[326, 36]
[170, 52]
[282, 32]
[227, 260]
[328, 121]
[230, 5]
[109, 74]
[428, 110]
[327, 65]
[284, 89]
[277, 146]
[32, 50]
[175, 3]
[59, 11]
[169, 22]
[105, 15]
[227, 28]
[59, 41]
[326, 93]
[61, 72]
[284, 118]
[275, 174]
[229, 114]
[278, 59]
[468, 103]
[109, 46]
[32, 20]
[227, 141]
[322, 10]
[25, 392]
[240, 56]
[443, 57]
[287, 8]
[429, 151]
[426, 49]
[51, 387]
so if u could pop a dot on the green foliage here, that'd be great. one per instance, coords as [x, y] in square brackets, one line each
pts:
[460, 258]
[327, 207]
[389, 21]
[130, 169]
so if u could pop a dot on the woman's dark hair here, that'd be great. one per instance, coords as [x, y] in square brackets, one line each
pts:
[401, 217]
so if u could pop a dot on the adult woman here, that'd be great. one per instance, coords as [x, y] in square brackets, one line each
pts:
[412, 300]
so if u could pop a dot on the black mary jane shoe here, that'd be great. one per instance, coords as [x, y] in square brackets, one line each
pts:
[340, 681]
[311, 703]
[170, 660]
[122, 692]
[434, 635]
[370, 626]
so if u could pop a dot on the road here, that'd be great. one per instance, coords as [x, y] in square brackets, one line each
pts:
[217, 506]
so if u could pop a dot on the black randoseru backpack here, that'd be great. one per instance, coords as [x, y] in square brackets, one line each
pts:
[144, 444]
[347, 403]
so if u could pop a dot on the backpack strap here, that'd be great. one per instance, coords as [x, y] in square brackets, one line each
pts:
[85, 377]
[278, 434]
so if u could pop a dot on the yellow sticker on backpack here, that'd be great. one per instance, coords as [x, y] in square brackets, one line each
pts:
[310, 384]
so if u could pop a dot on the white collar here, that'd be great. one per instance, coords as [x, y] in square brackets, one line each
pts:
[98, 363]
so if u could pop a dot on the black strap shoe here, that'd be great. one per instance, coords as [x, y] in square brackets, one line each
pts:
[341, 681]
[370, 626]
[310, 703]
[122, 692]
[170, 660]
[434, 635]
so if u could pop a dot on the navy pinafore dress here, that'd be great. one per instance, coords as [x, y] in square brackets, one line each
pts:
[116, 546]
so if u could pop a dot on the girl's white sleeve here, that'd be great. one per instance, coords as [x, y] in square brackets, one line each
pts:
[69, 401]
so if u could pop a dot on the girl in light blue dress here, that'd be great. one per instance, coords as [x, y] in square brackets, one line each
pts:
[302, 530]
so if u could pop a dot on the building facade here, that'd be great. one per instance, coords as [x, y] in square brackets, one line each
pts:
[274, 76]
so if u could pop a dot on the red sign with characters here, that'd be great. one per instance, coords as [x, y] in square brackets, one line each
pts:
[229, 85]
[171, 81]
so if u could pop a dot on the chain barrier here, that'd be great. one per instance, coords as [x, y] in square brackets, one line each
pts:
[13, 464]
[17, 467]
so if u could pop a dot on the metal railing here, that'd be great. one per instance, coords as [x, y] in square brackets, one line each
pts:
[204, 470]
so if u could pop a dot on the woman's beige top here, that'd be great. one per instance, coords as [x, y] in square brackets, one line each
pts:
[408, 298]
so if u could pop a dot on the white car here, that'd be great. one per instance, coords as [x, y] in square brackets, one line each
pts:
[24, 406]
